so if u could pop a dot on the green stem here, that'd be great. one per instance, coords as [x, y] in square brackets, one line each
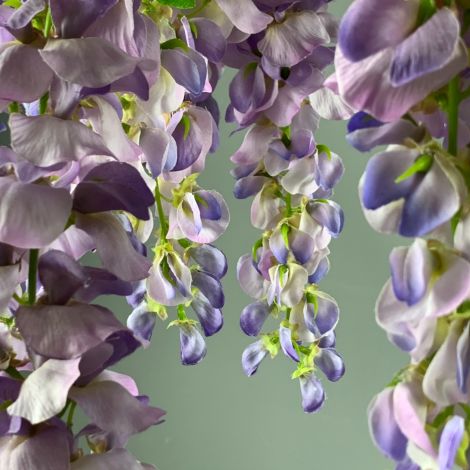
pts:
[32, 274]
[288, 200]
[73, 405]
[161, 214]
[43, 103]
[453, 114]
[181, 313]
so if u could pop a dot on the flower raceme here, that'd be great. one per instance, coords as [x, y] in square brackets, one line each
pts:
[404, 76]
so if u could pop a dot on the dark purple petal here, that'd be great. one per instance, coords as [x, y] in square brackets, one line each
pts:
[417, 55]
[209, 40]
[330, 363]
[187, 68]
[253, 317]
[192, 345]
[381, 172]
[450, 441]
[102, 282]
[249, 185]
[383, 426]
[211, 318]
[285, 338]
[73, 17]
[320, 272]
[362, 120]
[65, 332]
[329, 215]
[61, 276]
[328, 341]
[248, 88]
[252, 357]
[366, 27]
[189, 142]
[112, 408]
[113, 186]
[142, 322]
[210, 259]
[313, 395]
[111, 238]
[210, 287]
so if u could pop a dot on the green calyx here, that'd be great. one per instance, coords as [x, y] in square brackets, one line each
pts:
[421, 165]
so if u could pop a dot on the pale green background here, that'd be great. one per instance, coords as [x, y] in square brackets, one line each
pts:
[218, 419]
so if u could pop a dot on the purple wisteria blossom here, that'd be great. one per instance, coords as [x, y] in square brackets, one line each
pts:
[401, 66]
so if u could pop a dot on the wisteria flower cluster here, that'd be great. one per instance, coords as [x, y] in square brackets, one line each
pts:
[406, 76]
[278, 91]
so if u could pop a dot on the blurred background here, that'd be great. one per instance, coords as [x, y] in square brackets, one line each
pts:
[218, 419]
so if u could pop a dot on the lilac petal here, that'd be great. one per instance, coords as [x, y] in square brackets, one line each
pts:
[407, 464]
[366, 85]
[302, 142]
[102, 282]
[209, 40]
[411, 271]
[61, 276]
[417, 56]
[9, 279]
[157, 148]
[142, 322]
[248, 186]
[366, 138]
[192, 345]
[211, 318]
[73, 17]
[366, 28]
[424, 209]
[285, 338]
[25, 13]
[111, 238]
[252, 357]
[44, 393]
[286, 44]
[278, 246]
[74, 242]
[463, 359]
[244, 15]
[313, 395]
[18, 63]
[189, 144]
[32, 215]
[106, 402]
[330, 105]
[328, 341]
[65, 331]
[249, 277]
[383, 427]
[90, 62]
[210, 287]
[320, 272]
[329, 215]
[113, 186]
[117, 459]
[180, 273]
[324, 318]
[330, 170]
[187, 68]
[48, 448]
[248, 88]
[301, 244]
[208, 204]
[450, 441]
[210, 259]
[330, 363]
[47, 140]
[255, 145]
[253, 317]
[381, 172]
[409, 405]
[64, 97]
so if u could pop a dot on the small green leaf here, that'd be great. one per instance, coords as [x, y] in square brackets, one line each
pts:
[12, 3]
[254, 250]
[324, 149]
[421, 165]
[174, 44]
[181, 4]
[285, 230]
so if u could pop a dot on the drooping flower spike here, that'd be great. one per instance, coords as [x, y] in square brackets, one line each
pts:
[409, 91]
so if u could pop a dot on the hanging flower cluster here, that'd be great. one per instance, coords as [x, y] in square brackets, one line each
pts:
[278, 92]
[111, 119]
[406, 75]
